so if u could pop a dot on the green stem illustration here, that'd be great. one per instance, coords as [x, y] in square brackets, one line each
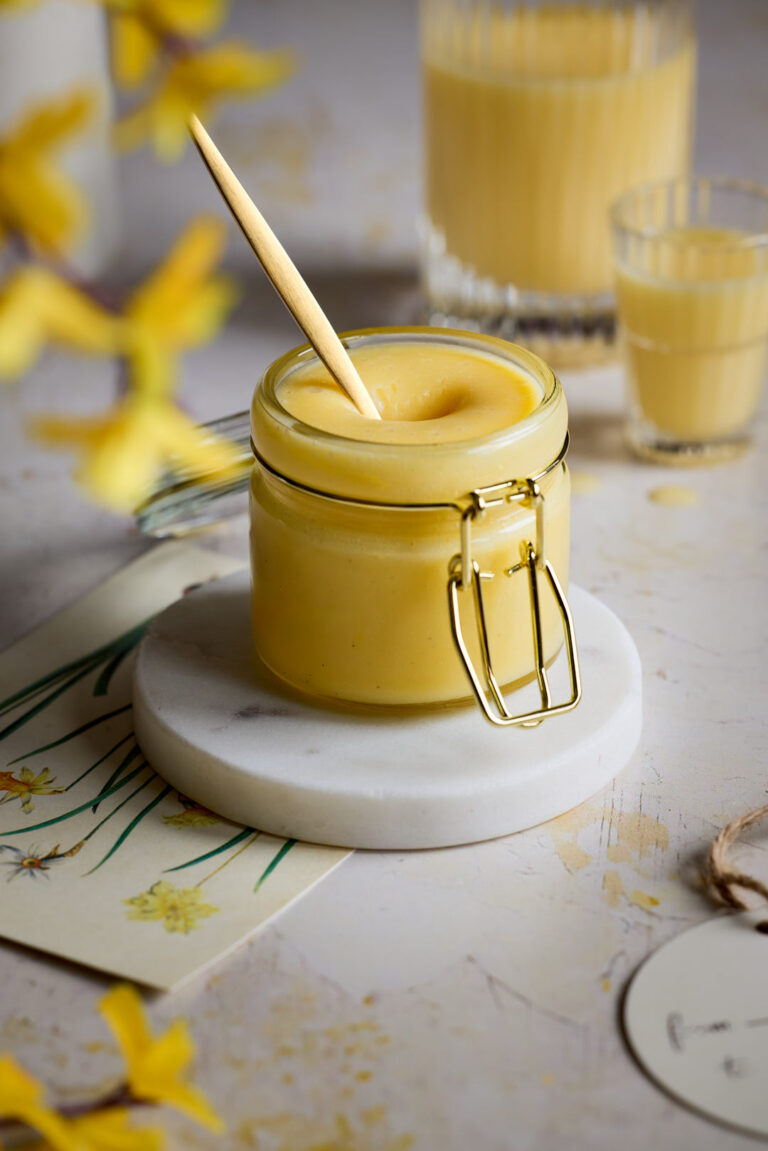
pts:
[99, 761]
[277, 858]
[73, 734]
[76, 810]
[241, 835]
[133, 824]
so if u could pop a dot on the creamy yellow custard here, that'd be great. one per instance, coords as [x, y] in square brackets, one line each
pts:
[350, 601]
[426, 394]
[693, 304]
[535, 120]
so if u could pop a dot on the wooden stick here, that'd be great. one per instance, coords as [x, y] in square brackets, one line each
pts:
[284, 275]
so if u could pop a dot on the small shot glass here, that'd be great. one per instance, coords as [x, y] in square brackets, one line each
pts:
[691, 274]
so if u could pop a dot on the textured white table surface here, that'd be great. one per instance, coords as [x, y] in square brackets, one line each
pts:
[464, 997]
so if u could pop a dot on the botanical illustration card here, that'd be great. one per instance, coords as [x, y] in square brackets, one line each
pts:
[100, 861]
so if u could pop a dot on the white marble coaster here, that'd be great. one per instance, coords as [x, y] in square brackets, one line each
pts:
[214, 724]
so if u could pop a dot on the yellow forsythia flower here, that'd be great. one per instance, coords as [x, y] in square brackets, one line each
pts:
[123, 452]
[181, 304]
[38, 307]
[138, 26]
[21, 1098]
[106, 1130]
[197, 82]
[36, 199]
[155, 1065]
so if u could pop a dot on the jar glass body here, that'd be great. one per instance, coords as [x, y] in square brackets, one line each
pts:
[350, 587]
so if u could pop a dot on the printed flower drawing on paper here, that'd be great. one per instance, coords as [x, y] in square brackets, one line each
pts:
[26, 785]
[179, 908]
[193, 815]
[34, 863]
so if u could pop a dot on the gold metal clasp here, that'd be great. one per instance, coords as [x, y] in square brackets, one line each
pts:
[464, 574]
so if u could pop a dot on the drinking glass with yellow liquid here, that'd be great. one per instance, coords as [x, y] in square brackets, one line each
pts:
[537, 116]
[691, 259]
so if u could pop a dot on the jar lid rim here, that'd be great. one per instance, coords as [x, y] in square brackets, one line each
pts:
[514, 353]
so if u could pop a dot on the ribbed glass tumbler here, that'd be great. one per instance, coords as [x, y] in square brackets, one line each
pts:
[536, 117]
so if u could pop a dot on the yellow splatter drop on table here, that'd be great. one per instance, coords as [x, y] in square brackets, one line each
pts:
[613, 892]
[565, 830]
[633, 834]
[613, 888]
[639, 833]
[674, 496]
[644, 900]
[291, 1132]
[584, 484]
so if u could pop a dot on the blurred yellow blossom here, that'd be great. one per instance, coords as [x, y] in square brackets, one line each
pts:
[36, 199]
[123, 451]
[197, 82]
[181, 304]
[154, 1074]
[38, 307]
[155, 1066]
[106, 1130]
[21, 1098]
[140, 26]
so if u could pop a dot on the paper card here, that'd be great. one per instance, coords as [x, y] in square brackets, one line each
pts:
[696, 1016]
[100, 861]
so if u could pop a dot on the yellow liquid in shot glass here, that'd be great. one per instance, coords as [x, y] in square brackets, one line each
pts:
[694, 313]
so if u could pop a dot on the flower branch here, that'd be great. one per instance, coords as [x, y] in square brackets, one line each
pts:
[155, 1074]
[160, 54]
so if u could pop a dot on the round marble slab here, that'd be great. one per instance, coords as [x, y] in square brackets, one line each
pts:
[214, 723]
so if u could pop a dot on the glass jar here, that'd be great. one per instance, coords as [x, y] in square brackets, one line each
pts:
[411, 574]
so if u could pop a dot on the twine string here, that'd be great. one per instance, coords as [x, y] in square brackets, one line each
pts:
[721, 877]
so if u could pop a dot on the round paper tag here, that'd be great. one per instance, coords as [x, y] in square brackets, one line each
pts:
[696, 1017]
